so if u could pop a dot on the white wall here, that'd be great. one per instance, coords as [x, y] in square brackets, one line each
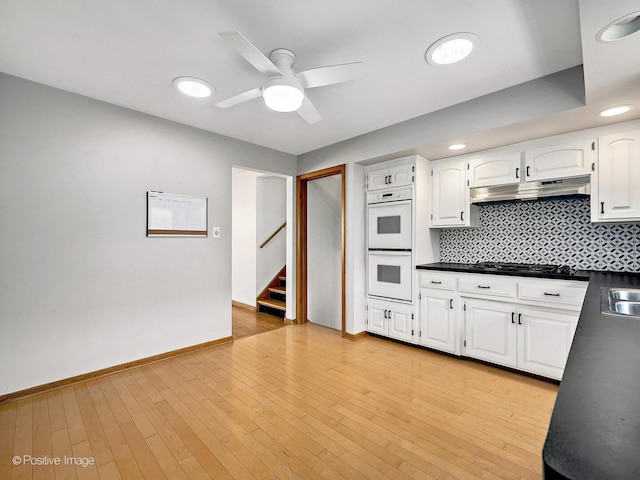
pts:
[355, 255]
[243, 237]
[271, 212]
[81, 286]
[324, 252]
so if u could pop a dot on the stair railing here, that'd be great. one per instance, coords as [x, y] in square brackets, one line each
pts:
[273, 235]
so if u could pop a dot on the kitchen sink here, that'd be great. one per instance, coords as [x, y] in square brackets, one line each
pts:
[626, 295]
[620, 301]
[627, 308]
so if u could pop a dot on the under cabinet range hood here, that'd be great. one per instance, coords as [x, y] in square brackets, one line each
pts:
[566, 187]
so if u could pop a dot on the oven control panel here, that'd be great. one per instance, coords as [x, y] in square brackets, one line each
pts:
[394, 195]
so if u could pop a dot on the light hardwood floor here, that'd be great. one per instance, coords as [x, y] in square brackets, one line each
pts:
[299, 402]
[246, 322]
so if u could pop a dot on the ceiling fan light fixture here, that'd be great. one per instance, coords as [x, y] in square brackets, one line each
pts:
[282, 95]
[193, 87]
[613, 111]
[451, 48]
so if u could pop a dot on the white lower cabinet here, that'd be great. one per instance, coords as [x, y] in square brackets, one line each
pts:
[544, 340]
[532, 340]
[391, 319]
[490, 331]
[437, 320]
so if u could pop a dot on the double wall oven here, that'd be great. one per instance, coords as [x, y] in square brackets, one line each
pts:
[390, 238]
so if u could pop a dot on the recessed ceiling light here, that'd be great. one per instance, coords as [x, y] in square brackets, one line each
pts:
[451, 49]
[613, 111]
[194, 87]
[620, 28]
[457, 146]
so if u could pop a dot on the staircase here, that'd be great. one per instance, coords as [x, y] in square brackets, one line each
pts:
[272, 300]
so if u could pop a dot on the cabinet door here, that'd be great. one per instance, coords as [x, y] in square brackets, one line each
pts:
[495, 169]
[619, 177]
[571, 159]
[377, 179]
[491, 331]
[401, 322]
[437, 320]
[544, 340]
[401, 175]
[376, 317]
[449, 194]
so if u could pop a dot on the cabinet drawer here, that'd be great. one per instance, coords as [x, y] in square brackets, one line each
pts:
[436, 280]
[487, 285]
[553, 292]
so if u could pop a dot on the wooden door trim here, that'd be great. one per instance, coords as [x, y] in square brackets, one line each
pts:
[301, 240]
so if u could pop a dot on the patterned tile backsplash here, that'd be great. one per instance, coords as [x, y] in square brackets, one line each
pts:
[551, 231]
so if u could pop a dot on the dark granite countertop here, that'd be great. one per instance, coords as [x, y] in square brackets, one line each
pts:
[582, 275]
[594, 431]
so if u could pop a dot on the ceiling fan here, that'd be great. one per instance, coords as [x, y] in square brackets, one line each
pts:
[283, 91]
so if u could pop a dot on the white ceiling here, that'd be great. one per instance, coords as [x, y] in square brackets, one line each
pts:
[127, 52]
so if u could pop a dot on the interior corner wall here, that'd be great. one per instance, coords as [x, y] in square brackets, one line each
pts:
[243, 236]
[81, 286]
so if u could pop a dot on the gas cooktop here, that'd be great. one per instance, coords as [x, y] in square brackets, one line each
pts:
[523, 268]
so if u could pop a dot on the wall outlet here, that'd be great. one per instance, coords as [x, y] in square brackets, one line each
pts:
[215, 232]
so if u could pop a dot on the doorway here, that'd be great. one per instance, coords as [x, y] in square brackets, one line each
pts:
[261, 247]
[321, 240]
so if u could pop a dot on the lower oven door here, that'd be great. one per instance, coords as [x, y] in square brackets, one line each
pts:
[390, 275]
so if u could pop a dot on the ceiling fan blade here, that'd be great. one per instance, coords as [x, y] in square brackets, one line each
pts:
[240, 98]
[309, 112]
[319, 77]
[250, 53]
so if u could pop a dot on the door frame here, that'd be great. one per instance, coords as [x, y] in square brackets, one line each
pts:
[301, 244]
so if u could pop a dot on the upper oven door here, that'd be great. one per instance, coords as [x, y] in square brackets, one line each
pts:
[389, 225]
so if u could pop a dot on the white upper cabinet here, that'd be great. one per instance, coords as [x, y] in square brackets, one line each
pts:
[396, 176]
[451, 207]
[571, 159]
[494, 169]
[616, 193]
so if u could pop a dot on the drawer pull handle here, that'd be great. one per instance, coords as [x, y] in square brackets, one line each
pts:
[551, 294]
[435, 283]
[486, 287]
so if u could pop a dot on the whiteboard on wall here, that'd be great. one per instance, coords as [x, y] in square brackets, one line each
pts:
[176, 215]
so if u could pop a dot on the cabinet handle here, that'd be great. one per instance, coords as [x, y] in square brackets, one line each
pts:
[435, 283]
[517, 172]
[551, 294]
[386, 179]
[519, 319]
[462, 216]
[486, 287]
[513, 314]
[386, 314]
[602, 207]
[451, 303]
[528, 174]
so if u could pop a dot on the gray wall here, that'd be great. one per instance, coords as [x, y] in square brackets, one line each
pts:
[324, 257]
[81, 286]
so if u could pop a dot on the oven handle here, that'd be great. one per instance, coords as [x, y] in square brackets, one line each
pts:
[386, 251]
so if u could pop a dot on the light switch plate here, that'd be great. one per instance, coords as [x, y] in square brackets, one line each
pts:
[215, 232]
